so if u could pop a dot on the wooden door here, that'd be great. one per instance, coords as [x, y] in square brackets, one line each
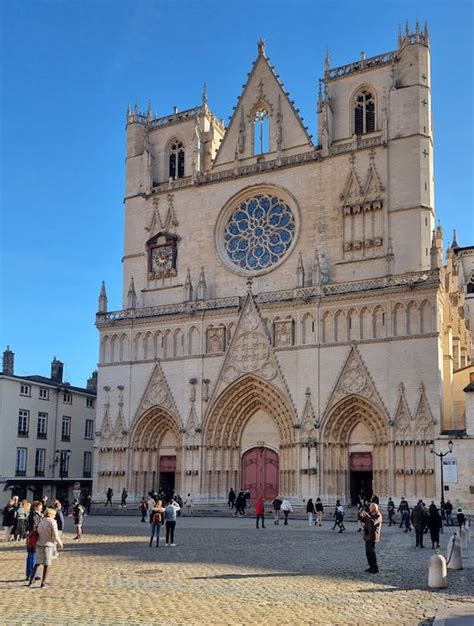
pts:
[260, 468]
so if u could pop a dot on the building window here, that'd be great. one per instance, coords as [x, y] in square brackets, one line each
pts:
[42, 426]
[64, 463]
[25, 390]
[176, 160]
[39, 461]
[364, 113]
[44, 393]
[90, 403]
[89, 429]
[20, 469]
[261, 132]
[67, 398]
[470, 286]
[23, 423]
[66, 429]
[87, 468]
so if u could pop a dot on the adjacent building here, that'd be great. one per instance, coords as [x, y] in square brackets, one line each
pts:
[289, 321]
[46, 432]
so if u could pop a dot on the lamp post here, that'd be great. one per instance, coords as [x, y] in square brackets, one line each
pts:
[441, 456]
[62, 457]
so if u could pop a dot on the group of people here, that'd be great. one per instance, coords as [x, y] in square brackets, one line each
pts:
[41, 527]
[147, 503]
[159, 515]
[239, 501]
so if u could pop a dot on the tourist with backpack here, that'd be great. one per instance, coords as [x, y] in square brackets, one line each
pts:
[156, 522]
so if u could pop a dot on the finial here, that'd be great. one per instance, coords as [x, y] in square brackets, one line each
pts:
[132, 295]
[327, 62]
[149, 111]
[129, 110]
[261, 47]
[417, 28]
[427, 34]
[204, 95]
[454, 243]
[103, 299]
[135, 109]
[407, 29]
[400, 37]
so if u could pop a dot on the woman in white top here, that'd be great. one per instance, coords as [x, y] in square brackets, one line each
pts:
[48, 538]
[287, 509]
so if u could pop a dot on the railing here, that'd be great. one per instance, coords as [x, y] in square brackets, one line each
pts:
[361, 65]
[301, 293]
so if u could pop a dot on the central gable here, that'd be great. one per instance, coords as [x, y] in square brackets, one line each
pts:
[263, 97]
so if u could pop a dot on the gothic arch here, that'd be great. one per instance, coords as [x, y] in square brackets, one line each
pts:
[150, 428]
[364, 87]
[347, 413]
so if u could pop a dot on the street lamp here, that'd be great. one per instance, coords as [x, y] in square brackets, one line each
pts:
[441, 456]
[62, 457]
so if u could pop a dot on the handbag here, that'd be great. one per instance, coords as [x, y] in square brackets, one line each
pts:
[32, 538]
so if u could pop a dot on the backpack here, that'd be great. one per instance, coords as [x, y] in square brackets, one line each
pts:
[157, 518]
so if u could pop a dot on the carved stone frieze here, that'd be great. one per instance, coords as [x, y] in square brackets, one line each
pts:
[284, 333]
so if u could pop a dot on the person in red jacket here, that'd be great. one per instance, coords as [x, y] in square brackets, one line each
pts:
[260, 511]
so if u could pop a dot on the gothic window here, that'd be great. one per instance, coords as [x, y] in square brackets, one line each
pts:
[470, 286]
[364, 113]
[261, 132]
[176, 159]
[162, 253]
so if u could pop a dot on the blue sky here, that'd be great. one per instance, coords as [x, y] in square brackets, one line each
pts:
[69, 69]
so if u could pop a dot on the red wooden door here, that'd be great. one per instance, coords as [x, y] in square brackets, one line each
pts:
[260, 468]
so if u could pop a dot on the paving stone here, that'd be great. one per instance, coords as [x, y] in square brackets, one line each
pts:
[224, 571]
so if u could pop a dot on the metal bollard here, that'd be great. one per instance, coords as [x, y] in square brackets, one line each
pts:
[454, 560]
[437, 572]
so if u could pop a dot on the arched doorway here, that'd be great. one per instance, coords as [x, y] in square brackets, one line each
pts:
[260, 468]
[250, 414]
[355, 454]
[155, 453]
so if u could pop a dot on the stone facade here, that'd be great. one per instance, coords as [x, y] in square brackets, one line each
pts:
[286, 311]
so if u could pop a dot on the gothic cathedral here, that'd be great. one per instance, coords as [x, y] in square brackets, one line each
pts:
[285, 315]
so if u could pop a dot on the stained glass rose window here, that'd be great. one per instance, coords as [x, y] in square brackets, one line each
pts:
[259, 232]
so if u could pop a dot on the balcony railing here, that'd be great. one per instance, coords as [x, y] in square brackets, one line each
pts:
[19, 472]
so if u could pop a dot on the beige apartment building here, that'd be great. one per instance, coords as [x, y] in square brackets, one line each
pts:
[46, 433]
[290, 323]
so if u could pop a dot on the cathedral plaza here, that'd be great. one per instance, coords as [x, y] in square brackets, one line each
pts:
[224, 571]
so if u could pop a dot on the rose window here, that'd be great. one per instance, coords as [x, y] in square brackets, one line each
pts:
[259, 232]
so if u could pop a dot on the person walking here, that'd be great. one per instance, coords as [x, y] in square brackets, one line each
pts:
[240, 504]
[8, 521]
[156, 522]
[109, 495]
[143, 508]
[310, 510]
[319, 511]
[434, 524]
[276, 504]
[170, 513]
[372, 531]
[34, 518]
[339, 517]
[448, 511]
[151, 503]
[402, 507]
[188, 505]
[21, 518]
[48, 538]
[231, 498]
[391, 512]
[287, 509]
[461, 519]
[260, 511]
[419, 519]
[78, 518]
[87, 504]
[123, 498]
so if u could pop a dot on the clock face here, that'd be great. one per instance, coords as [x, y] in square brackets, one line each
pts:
[162, 259]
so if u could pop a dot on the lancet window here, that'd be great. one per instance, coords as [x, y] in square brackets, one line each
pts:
[176, 159]
[261, 132]
[364, 113]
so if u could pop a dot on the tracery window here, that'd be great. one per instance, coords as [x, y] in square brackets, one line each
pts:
[261, 132]
[259, 232]
[176, 159]
[364, 113]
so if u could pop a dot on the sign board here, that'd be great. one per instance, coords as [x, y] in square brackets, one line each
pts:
[450, 470]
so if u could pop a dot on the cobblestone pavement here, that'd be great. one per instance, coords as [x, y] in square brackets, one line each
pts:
[224, 571]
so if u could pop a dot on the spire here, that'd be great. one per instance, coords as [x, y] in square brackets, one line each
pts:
[300, 271]
[390, 258]
[202, 287]
[149, 113]
[188, 288]
[327, 62]
[204, 95]
[400, 37]
[426, 34]
[436, 252]
[103, 299]
[454, 243]
[261, 47]
[417, 30]
[131, 296]
[316, 269]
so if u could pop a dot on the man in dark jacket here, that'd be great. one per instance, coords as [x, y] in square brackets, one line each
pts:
[419, 519]
[372, 529]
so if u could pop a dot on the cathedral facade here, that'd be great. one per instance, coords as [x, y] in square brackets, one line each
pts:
[287, 319]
